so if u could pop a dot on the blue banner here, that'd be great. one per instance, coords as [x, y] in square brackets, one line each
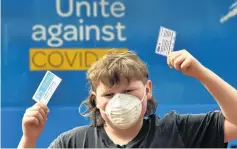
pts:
[66, 36]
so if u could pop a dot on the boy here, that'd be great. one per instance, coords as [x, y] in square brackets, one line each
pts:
[121, 107]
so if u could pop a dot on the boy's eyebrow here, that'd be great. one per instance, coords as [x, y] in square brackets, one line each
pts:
[106, 91]
[132, 86]
[110, 91]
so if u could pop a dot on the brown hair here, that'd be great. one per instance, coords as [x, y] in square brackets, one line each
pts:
[109, 69]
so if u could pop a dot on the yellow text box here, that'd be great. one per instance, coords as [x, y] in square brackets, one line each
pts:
[66, 59]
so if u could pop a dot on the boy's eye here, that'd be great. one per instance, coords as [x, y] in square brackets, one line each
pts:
[108, 95]
[128, 91]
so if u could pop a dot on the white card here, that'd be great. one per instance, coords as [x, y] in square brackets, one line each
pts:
[165, 42]
[47, 87]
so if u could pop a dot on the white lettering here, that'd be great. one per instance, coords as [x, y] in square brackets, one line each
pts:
[119, 28]
[103, 4]
[56, 34]
[230, 14]
[54, 40]
[39, 33]
[81, 30]
[70, 33]
[108, 31]
[87, 6]
[59, 11]
[95, 28]
[119, 7]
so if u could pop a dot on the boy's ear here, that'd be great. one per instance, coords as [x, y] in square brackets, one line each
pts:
[94, 96]
[93, 99]
[149, 89]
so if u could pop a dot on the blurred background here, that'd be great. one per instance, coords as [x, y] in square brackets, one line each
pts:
[66, 36]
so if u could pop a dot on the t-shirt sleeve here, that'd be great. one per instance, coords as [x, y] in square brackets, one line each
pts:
[202, 130]
[57, 143]
[74, 138]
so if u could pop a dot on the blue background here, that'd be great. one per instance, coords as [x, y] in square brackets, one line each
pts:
[198, 28]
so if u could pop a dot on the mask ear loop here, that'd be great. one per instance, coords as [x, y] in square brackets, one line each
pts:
[87, 112]
[85, 103]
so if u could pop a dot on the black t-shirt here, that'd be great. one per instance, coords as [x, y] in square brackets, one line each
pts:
[172, 131]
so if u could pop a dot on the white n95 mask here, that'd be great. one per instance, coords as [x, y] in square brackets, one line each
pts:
[124, 110]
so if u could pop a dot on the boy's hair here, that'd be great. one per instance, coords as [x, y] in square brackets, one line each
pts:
[109, 70]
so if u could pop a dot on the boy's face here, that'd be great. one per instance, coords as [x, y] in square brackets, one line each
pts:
[135, 88]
